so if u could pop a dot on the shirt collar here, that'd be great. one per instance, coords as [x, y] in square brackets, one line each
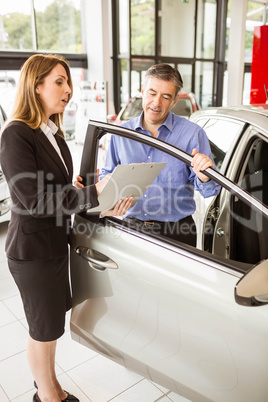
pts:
[139, 122]
[50, 127]
[168, 123]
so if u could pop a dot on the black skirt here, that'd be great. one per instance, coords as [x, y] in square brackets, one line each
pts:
[45, 291]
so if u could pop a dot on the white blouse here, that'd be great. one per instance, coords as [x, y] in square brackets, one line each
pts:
[50, 130]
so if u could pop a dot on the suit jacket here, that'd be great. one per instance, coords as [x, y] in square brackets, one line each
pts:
[43, 197]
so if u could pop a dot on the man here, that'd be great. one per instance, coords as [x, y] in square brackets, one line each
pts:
[167, 206]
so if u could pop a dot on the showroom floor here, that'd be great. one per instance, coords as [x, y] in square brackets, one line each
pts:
[89, 376]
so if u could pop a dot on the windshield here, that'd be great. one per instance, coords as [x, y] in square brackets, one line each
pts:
[133, 109]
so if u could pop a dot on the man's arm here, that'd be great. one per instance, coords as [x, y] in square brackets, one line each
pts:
[201, 162]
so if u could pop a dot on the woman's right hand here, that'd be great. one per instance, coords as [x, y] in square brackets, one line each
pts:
[120, 208]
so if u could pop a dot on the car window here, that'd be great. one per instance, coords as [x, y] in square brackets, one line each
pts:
[183, 107]
[133, 109]
[250, 228]
[221, 225]
[221, 134]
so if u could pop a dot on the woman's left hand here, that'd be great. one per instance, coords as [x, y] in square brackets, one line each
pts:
[121, 207]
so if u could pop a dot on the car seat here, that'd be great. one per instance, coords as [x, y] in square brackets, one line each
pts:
[261, 169]
[250, 227]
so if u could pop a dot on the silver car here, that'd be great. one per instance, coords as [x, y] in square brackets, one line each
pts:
[194, 320]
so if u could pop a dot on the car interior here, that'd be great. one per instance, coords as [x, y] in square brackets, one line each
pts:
[249, 237]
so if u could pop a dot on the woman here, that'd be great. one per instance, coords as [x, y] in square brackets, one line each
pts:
[38, 168]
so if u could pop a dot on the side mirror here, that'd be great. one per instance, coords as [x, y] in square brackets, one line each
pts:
[252, 288]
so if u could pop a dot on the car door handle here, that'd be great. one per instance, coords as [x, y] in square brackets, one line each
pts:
[96, 259]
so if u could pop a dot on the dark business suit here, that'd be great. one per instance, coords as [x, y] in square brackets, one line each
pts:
[43, 200]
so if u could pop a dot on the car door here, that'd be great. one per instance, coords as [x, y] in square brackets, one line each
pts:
[249, 168]
[240, 152]
[162, 308]
[224, 134]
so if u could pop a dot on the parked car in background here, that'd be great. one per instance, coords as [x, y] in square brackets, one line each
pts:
[186, 105]
[69, 120]
[5, 201]
[191, 319]
[6, 80]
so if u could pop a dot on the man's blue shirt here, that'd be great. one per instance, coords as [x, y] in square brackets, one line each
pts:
[171, 195]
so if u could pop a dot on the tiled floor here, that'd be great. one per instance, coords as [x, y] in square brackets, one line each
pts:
[89, 376]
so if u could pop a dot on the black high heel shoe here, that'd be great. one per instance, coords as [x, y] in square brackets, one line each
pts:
[36, 398]
[68, 398]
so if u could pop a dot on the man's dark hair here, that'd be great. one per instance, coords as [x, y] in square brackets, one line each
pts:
[164, 72]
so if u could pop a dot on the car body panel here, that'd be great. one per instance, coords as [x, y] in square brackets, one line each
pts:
[131, 316]
[168, 310]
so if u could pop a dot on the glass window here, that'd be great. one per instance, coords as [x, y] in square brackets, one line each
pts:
[138, 70]
[15, 25]
[58, 25]
[124, 82]
[228, 24]
[206, 29]
[221, 134]
[204, 83]
[255, 17]
[123, 27]
[142, 27]
[186, 73]
[176, 32]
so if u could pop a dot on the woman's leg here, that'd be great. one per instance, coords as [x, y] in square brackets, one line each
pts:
[62, 394]
[39, 358]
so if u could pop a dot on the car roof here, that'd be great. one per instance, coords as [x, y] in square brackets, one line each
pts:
[256, 115]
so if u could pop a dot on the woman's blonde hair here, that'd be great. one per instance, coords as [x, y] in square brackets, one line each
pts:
[28, 107]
